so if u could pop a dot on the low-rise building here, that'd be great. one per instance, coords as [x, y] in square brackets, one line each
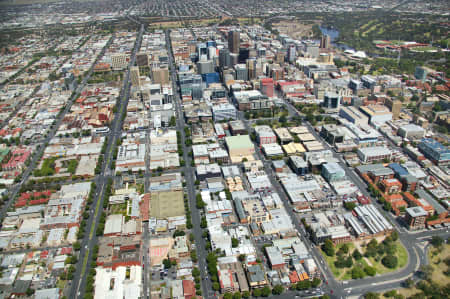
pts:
[373, 154]
[415, 217]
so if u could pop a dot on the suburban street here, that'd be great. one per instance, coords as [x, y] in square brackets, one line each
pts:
[40, 148]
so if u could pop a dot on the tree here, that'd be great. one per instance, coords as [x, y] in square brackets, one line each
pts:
[241, 258]
[345, 248]
[357, 255]
[178, 233]
[328, 247]
[257, 293]
[426, 271]
[303, 285]
[278, 290]
[246, 294]
[237, 295]
[167, 264]
[203, 223]
[76, 245]
[390, 293]
[265, 292]
[389, 261]
[370, 271]
[315, 282]
[234, 242]
[195, 272]
[350, 205]
[357, 273]
[30, 292]
[371, 295]
[409, 283]
[394, 236]
[216, 286]
[437, 241]
[228, 296]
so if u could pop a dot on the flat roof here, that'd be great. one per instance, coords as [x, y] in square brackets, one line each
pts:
[238, 142]
[416, 212]
[166, 204]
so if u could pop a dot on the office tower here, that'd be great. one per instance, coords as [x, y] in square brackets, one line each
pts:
[234, 59]
[211, 52]
[234, 41]
[205, 67]
[292, 53]
[134, 74]
[395, 106]
[279, 58]
[201, 50]
[244, 54]
[311, 49]
[331, 101]
[325, 42]
[421, 73]
[224, 58]
[241, 72]
[251, 66]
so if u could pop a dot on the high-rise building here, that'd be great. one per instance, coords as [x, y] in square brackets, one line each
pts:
[331, 101]
[311, 49]
[241, 72]
[395, 106]
[325, 42]
[251, 66]
[234, 59]
[205, 67]
[279, 57]
[224, 58]
[244, 54]
[134, 74]
[421, 73]
[292, 53]
[234, 41]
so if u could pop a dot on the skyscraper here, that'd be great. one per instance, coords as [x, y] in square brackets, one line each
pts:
[331, 101]
[234, 41]
[224, 58]
[325, 42]
[292, 53]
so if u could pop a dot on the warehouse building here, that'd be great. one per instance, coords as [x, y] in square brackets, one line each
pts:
[411, 132]
[375, 153]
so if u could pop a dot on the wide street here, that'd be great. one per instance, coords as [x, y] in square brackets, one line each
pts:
[189, 177]
[90, 239]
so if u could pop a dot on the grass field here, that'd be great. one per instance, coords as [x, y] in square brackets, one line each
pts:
[339, 273]
[436, 258]
[402, 256]
[424, 49]
[345, 273]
